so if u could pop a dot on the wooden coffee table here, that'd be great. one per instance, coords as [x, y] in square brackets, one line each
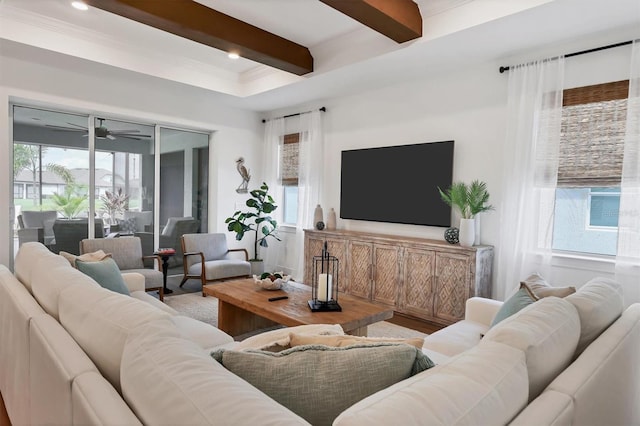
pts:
[243, 307]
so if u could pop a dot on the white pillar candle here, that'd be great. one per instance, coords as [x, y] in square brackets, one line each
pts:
[325, 283]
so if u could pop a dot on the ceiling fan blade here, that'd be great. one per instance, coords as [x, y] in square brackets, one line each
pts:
[125, 131]
[129, 137]
[78, 126]
[130, 134]
[68, 129]
[111, 137]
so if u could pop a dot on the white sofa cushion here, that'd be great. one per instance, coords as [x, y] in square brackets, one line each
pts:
[55, 360]
[96, 402]
[149, 299]
[26, 260]
[17, 308]
[206, 391]
[100, 321]
[456, 338]
[547, 331]
[52, 276]
[486, 385]
[204, 335]
[599, 303]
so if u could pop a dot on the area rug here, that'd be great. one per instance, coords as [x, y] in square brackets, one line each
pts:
[205, 309]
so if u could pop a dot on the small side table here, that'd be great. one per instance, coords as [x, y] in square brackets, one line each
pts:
[165, 254]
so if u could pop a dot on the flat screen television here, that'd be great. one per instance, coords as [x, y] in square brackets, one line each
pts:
[397, 184]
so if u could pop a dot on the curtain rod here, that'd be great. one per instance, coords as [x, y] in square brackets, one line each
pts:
[323, 109]
[582, 52]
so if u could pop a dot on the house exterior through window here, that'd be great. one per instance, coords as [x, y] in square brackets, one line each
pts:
[289, 166]
[590, 168]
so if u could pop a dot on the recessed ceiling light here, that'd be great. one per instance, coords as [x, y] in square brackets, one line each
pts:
[233, 55]
[79, 5]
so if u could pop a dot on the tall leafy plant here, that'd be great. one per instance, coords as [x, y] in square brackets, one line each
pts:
[71, 202]
[469, 200]
[115, 203]
[257, 220]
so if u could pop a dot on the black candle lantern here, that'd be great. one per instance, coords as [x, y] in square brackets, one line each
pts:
[324, 289]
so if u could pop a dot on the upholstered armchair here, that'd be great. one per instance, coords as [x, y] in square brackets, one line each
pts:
[69, 232]
[207, 258]
[36, 226]
[127, 253]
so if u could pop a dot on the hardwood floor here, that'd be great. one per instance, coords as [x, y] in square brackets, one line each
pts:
[415, 323]
[4, 418]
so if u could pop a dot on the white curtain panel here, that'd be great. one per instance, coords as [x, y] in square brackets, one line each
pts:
[628, 251]
[310, 175]
[273, 140]
[534, 113]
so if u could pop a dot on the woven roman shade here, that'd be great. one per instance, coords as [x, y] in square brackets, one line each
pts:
[289, 159]
[592, 135]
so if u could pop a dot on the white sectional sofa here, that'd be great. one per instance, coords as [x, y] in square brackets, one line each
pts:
[72, 353]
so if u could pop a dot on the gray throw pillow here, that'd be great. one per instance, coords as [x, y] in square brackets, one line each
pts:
[521, 299]
[106, 273]
[319, 382]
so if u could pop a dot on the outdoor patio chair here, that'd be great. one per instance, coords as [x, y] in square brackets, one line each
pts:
[127, 253]
[36, 226]
[207, 257]
[69, 232]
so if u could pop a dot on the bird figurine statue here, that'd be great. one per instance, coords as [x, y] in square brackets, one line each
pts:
[242, 189]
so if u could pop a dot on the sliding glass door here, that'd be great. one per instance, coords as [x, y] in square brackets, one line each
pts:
[80, 176]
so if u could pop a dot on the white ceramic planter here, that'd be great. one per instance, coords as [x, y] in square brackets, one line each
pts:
[467, 232]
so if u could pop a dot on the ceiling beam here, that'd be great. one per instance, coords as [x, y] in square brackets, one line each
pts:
[400, 20]
[194, 21]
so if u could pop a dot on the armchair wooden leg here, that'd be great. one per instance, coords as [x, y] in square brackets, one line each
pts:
[184, 280]
[161, 294]
[204, 281]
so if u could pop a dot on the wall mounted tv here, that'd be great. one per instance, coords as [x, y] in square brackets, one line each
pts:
[397, 184]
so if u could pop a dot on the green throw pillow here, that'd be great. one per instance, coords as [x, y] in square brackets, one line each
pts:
[106, 273]
[515, 303]
[319, 382]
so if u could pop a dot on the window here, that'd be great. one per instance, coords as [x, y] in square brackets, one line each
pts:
[289, 177]
[590, 168]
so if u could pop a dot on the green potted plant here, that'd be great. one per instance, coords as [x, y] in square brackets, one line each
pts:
[71, 202]
[257, 220]
[469, 200]
[115, 203]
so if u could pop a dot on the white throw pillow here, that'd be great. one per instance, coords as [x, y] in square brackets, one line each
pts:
[280, 337]
[599, 303]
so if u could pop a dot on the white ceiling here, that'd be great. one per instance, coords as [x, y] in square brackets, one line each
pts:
[348, 57]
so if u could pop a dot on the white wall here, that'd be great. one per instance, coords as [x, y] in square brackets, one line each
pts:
[36, 77]
[468, 106]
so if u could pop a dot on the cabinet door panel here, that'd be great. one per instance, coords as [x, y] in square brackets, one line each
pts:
[452, 286]
[419, 282]
[335, 247]
[386, 277]
[359, 278]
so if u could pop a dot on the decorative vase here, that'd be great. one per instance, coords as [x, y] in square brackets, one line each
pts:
[476, 226]
[331, 219]
[467, 232]
[452, 235]
[318, 215]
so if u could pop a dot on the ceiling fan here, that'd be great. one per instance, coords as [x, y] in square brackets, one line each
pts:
[102, 131]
